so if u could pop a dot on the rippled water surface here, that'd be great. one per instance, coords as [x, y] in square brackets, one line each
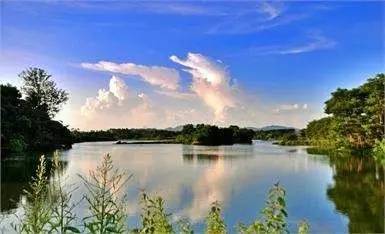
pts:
[344, 195]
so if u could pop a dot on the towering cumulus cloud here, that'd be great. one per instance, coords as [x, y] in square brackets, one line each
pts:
[117, 107]
[163, 77]
[211, 82]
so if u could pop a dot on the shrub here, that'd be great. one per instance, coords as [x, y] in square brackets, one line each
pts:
[17, 144]
[379, 151]
[214, 221]
[273, 215]
[154, 217]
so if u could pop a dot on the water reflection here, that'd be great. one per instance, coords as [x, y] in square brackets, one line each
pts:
[16, 173]
[334, 194]
[206, 154]
[358, 192]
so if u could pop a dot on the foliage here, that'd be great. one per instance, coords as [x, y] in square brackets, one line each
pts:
[154, 218]
[106, 207]
[203, 134]
[184, 227]
[355, 121]
[379, 151]
[122, 133]
[63, 216]
[27, 125]
[17, 144]
[273, 215]
[324, 133]
[303, 227]
[282, 136]
[357, 114]
[41, 92]
[214, 221]
[37, 210]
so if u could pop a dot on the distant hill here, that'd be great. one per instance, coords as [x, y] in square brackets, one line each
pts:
[175, 129]
[266, 128]
[271, 127]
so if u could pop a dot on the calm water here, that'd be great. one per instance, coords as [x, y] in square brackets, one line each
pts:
[344, 195]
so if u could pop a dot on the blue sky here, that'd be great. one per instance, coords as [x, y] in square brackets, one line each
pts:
[246, 63]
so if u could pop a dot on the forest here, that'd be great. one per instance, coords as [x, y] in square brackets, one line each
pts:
[27, 114]
[354, 121]
[114, 134]
[203, 134]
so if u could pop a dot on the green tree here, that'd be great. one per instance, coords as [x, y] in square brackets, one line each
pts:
[41, 92]
[356, 117]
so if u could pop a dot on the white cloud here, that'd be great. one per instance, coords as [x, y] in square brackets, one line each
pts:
[211, 82]
[271, 10]
[163, 77]
[316, 42]
[290, 107]
[264, 16]
[117, 107]
[211, 98]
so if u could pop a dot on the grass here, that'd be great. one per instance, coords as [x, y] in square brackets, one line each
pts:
[50, 209]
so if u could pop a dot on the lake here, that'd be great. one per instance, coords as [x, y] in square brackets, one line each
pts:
[335, 195]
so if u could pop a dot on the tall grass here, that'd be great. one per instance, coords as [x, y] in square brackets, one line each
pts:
[50, 207]
[105, 204]
[62, 206]
[37, 210]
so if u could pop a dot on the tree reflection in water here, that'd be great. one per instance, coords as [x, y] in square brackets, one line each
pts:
[358, 192]
[16, 174]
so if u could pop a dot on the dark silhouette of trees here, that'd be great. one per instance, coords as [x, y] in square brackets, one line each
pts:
[41, 92]
[203, 134]
[26, 123]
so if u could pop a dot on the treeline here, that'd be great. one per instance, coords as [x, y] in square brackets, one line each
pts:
[356, 117]
[289, 136]
[203, 134]
[355, 121]
[26, 123]
[114, 134]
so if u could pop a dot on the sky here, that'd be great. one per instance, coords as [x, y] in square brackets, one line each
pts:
[161, 64]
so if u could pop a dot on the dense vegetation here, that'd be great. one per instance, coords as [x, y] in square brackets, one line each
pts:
[203, 134]
[26, 123]
[122, 133]
[356, 117]
[355, 121]
[288, 136]
[51, 209]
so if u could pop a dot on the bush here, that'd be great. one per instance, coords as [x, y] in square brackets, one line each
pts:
[214, 221]
[17, 144]
[379, 151]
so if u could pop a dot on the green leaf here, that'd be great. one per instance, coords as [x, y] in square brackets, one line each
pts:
[72, 229]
